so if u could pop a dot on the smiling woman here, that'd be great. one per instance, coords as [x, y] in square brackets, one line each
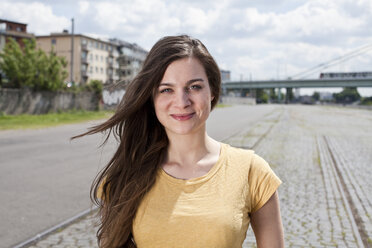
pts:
[183, 101]
[169, 184]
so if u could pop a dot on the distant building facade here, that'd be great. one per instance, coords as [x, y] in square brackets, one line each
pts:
[131, 58]
[325, 96]
[93, 59]
[15, 30]
[225, 75]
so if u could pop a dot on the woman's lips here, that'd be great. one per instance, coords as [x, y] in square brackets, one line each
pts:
[182, 117]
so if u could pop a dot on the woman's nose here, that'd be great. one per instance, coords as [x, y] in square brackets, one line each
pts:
[182, 99]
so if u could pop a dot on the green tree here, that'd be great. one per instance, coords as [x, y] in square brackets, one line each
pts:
[366, 101]
[261, 96]
[32, 67]
[347, 95]
[273, 95]
[316, 96]
[95, 86]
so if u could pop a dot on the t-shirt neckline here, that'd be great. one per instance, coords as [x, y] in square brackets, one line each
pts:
[200, 179]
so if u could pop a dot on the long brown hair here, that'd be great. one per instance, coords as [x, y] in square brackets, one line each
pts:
[143, 143]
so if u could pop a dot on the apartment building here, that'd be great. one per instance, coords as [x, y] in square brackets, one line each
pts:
[225, 75]
[15, 30]
[131, 58]
[93, 59]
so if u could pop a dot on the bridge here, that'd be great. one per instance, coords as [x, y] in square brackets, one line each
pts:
[297, 83]
[331, 80]
[244, 86]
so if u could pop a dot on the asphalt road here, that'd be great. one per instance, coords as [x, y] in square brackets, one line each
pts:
[45, 178]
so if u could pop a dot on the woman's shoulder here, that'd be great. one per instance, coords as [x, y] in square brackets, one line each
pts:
[244, 157]
[238, 158]
[238, 153]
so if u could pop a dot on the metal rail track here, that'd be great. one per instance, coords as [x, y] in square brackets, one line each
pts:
[360, 233]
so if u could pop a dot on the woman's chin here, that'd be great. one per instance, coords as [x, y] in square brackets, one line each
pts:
[181, 131]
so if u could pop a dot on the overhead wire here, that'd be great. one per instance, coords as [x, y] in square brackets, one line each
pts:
[333, 61]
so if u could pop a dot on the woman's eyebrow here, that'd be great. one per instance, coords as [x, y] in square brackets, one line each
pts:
[165, 84]
[187, 83]
[194, 80]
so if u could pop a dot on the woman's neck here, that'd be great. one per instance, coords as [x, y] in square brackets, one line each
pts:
[192, 149]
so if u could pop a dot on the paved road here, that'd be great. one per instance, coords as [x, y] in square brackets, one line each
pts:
[323, 156]
[45, 178]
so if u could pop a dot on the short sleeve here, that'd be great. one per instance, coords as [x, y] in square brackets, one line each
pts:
[262, 182]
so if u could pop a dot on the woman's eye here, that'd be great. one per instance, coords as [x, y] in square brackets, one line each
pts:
[195, 87]
[165, 90]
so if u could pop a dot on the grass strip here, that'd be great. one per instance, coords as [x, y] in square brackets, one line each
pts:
[26, 121]
[221, 105]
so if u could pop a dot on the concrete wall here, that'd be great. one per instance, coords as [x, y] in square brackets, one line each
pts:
[112, 98]
[16, 101]
[237, 100]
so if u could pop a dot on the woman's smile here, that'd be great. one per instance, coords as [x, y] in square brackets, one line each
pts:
[182, 117]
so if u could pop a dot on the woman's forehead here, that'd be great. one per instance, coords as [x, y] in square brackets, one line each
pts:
[184, 70]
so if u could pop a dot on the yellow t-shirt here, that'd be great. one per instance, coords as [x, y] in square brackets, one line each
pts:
[208, 211]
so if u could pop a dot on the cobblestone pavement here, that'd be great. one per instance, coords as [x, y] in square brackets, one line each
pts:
[314, 209]
[323, 156]
[80, 234]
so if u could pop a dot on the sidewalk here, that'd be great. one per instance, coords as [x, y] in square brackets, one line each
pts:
[80, 234]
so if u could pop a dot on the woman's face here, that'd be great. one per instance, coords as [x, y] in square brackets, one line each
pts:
[183, 99]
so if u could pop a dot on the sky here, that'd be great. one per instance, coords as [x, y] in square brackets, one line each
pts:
[255, 40]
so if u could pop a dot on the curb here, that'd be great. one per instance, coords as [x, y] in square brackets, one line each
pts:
[51, 230]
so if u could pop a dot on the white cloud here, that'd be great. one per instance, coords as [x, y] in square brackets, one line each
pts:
[196, 19]
[265, 39]
[39, 17]
[83, 7]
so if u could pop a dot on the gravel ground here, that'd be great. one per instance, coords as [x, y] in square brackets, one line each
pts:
[323, 156]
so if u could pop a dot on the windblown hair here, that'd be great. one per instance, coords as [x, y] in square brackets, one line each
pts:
[143, 142]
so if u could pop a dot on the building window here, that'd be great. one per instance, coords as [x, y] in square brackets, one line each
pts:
[96, 57]
[54, 41]
[96, 44]
[96, 69]
[84, 41]
[91, 69]
[101, 58]
[90, 57]
[101, 70]
[2, 26]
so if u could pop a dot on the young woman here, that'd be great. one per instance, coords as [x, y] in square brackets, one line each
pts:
[169, 184]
